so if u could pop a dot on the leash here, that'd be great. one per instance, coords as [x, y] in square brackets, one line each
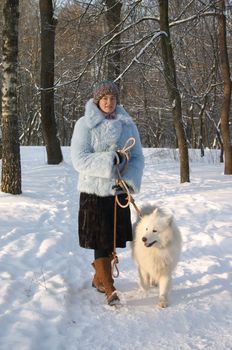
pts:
[129, 199]
[115, 270]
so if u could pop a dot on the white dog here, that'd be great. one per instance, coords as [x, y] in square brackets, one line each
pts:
[156, 250]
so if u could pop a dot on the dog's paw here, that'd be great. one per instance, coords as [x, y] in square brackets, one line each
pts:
[163, 303]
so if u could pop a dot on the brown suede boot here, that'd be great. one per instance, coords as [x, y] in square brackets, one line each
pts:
[96, 282]
[103, 268]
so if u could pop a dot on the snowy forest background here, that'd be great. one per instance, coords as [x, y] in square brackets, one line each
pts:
[171, 60]
[83, 45]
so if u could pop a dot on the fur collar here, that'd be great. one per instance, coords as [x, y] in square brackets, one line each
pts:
[94, 116]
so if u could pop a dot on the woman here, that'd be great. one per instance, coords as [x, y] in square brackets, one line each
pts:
[97, 140]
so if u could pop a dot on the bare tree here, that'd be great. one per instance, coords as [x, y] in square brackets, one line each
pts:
[225, 108]
[29, 104]
[173, 92]
[1, 26]
[49, 127]
[113, 18]
[11, 165]
[0, 141]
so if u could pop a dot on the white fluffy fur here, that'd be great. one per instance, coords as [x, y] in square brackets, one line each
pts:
[156, 263]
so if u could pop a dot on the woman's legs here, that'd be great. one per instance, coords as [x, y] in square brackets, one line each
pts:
[101, 253]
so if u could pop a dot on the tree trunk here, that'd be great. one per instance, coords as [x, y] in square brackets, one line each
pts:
[49, 127]
[225, 108]
[1, 26]
[173, 92]
[11, 165]
[113, 17]
[193, 129]
[202, 127]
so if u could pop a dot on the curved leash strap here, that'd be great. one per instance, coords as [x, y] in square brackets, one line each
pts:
[129, 197]
[128, 144]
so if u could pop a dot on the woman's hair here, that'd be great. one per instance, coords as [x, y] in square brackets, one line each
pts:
[105, 87]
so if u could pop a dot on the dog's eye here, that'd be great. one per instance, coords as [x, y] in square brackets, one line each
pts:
[154, 231]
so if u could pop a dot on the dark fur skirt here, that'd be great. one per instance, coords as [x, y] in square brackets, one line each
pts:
[96, 222]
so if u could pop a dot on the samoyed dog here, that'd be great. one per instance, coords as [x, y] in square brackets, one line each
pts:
[156, 249]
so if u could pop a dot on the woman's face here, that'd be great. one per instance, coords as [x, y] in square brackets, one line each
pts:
[107, 104]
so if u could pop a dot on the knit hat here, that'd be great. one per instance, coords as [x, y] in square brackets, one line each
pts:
[105, 87]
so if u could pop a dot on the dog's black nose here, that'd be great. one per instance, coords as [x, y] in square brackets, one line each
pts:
[144, 239]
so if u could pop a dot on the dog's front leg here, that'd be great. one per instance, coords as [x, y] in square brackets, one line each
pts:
[164, 286]
[144, 279]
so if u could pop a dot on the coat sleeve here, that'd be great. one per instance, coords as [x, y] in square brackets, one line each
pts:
[84, 159]
[134, 171]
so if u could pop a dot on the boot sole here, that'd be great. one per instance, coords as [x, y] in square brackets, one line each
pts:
[115, 302]
[114, 299]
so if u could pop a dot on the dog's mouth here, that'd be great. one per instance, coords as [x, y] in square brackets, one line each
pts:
[148, 245]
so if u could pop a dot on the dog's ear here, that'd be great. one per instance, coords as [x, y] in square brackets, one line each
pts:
[155, 211]
[169, 218]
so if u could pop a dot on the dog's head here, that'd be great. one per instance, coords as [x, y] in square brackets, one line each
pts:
[154, 229]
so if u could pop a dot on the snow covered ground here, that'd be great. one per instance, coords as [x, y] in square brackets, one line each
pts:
[46, 298]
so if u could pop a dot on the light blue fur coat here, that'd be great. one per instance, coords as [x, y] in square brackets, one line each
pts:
[94, 144]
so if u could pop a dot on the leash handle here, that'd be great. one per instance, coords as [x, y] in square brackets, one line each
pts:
[125, 152]
[129, 144]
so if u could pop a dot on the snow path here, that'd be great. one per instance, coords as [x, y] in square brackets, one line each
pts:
[46, 298]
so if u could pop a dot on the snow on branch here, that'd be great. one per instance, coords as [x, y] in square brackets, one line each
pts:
[136, 58]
